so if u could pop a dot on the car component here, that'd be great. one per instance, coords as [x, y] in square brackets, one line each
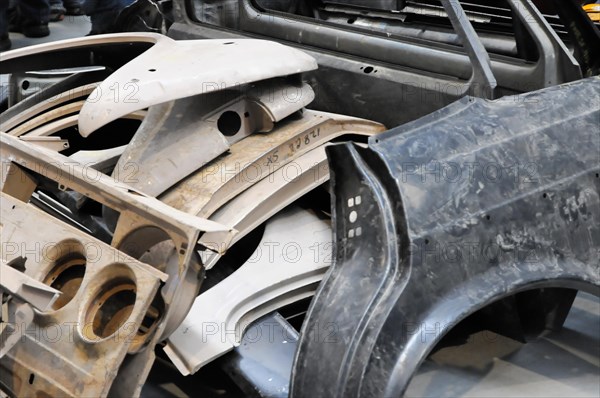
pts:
[445, 216]
[143, 223]
[276, 139]
[414, 60]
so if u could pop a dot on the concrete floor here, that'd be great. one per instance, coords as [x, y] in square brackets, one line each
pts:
[560, 364]
[565, 363]
[68, 28]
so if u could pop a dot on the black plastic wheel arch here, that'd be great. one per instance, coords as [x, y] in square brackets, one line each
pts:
[443, 216]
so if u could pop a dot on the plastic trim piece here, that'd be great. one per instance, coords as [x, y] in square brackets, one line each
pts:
[444, 216]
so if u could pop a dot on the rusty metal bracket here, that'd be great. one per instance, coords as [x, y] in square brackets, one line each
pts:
[96, 321]
[144, 222]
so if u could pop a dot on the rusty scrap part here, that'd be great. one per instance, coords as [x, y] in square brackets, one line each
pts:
[247, 202]
[103, 160]
[64, 91]
[178, 137]
[177, 69]
[257, 156]
[299, 141]
[97, 320]
[270, 195]
[253, 201]
[42, 124]
[204, 149]
[133, 205]
[10, 122]
[108, 51]
[54, 108]
[71, 121]
[19, 316]
[45, 118]
[168, 132]
[57, 119]
[53, 143]
[25, 288]
[144, 222]
[25, 293]
[260, 286]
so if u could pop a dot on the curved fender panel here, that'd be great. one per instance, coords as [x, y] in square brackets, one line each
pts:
[443, 216]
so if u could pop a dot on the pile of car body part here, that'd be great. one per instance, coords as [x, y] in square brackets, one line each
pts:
[179, 202]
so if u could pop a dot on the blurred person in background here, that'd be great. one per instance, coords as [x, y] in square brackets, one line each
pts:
[4, 40]
[29, 17]
[60, 8]
[103, 14]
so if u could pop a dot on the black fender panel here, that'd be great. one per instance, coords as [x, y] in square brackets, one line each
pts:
[444, 216]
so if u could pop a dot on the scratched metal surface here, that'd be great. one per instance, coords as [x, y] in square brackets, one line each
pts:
[435, 247]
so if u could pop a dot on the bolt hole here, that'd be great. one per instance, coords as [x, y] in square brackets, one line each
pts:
[31, 378]
[14, 207]
[246, 114]
[182, 251]
[25, 84]
[488, 217]
[152, 70]
[228, 43]
[545, 195]
[368, 69]
[229, 123]
[351, 20]
[597, 175]
[426, 241]
[353, 216]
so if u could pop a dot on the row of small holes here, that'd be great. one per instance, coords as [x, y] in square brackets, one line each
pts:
[353, 216]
